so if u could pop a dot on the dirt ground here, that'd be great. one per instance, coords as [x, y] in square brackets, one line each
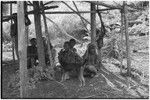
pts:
[106, 84]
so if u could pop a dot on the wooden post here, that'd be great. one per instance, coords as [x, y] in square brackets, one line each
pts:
[48, 37]
[22, 49]
[121, 40]
[93, 24]
[127, 39]
[37, 21]
[13, 54]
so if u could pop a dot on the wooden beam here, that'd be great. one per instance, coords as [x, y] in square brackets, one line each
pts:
[22, 49]
[37, 21]
[101, 3]
[127, 38]
[75, 12]
[7, 18]
[63, 31]
[8, 2]
[93, 24]
[107, 9]
[31, 4]
[80, 15]
[48, 37]
[48, 3]
[70, 12]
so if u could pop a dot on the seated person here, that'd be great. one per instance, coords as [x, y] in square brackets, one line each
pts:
[90, 60]
[32, 54]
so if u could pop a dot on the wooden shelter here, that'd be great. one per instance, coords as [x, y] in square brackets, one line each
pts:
[38, 11]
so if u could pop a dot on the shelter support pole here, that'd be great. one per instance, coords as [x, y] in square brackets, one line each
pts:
[48, 38]
[13, 49]
[62, 30]
[93, 24]
[40, 49]
[75, 12]
[121, 40]
[22, 48]
[80, 15]
[127, 39]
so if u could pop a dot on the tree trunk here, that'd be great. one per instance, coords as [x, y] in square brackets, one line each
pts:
[48, 38]
[22, 44]
[37, 21]
[127, 39]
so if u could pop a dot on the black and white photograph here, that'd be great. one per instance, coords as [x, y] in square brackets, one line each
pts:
[75, 49]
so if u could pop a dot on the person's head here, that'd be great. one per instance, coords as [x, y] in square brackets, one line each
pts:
[33, 42]
[91, 49]
[72, 43]
[66, 45]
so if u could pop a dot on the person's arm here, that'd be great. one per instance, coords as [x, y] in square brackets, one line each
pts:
[85, 57]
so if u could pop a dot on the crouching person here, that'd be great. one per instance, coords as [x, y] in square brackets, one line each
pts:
[90, 61]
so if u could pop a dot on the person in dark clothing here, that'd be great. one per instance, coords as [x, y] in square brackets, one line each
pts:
[70, 61]
[32, 54]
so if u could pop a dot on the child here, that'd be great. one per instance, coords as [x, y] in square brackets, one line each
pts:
[90, 60]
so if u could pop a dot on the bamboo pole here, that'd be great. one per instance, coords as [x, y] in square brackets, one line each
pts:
[93, 24]
[22, 48]
[104, 4]
[63, 31]
[8, 2]
[7, 18]
[48, 3]
[127, 39]
[75, 12]
[121, 40]
[11, 33]
[37, 21]
[80, 15]
[48, 38]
